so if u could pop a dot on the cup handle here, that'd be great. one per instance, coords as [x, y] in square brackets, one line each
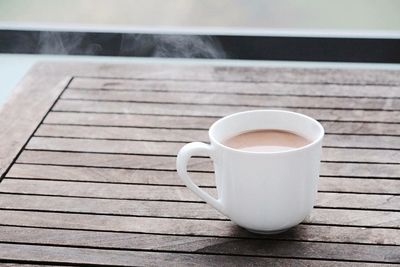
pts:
[182, 160]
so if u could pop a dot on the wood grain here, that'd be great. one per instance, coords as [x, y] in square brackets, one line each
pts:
[128, 240]
[218, 111]
[202, 245]
[26, 171]
[217, 228]
[179, 135]
[139, 205]
[256, 88]
[170, 122]
[196, 164]
[73, 255]
[172, 149]
[233, 99]
[96, 182]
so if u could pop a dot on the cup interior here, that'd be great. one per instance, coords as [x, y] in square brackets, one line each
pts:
[266, 119]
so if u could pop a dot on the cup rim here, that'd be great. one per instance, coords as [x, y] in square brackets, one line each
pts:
[315, 141]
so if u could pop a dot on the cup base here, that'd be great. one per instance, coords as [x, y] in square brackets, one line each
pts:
[267, 232]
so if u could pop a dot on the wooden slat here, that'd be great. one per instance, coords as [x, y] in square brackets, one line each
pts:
[196, 164]
[118, 191]
[128, 240]
[360, 170]
[379, 186]
[122, 133]
[99, 160]
[382, 186]
[171, 149]
[249, 247]
[130, 120]
[392, 142]
[78, 256]
[319, 89]
[385, 142]
[232, 99]
[105, 175]
[194, 227]
[143, 192]
[157, 208]
[110, 206]
[218, 111]
[216, 71]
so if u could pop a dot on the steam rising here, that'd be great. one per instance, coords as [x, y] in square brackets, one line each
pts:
[66, 43]
[187, 47]
[179, 46]
[115, 44]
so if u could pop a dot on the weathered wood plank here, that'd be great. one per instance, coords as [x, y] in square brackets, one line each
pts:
[257, 87]
[171, 149]
[184, 122]
[173, 193]
[99, 160]
[195, 227]
[146, 208]
[122, 133]
[73, 255]
[217, 71]
[218, 111]
[129, 120]
[382, 186]
[119, 191]
[360, 170]
[25, 108]
[234, 99]
[387, 142]
[300, 232]
[196, 164]
[357, 185]
[139, 208]
[129, 240]
[361, 155]
[176, 135]
[202, 245]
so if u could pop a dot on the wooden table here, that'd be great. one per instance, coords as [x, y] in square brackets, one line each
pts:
[88, 165]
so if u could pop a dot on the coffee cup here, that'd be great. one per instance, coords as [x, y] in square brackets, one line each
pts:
[264, 192]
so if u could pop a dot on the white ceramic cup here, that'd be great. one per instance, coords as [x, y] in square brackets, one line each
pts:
[264, 192]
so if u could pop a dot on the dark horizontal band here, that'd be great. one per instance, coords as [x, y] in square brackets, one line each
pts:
[372, 50]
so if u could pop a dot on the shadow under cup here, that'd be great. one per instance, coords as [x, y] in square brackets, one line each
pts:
[266, 192]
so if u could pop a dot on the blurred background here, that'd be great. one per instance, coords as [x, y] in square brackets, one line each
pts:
[258, 31]
[339, 15]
